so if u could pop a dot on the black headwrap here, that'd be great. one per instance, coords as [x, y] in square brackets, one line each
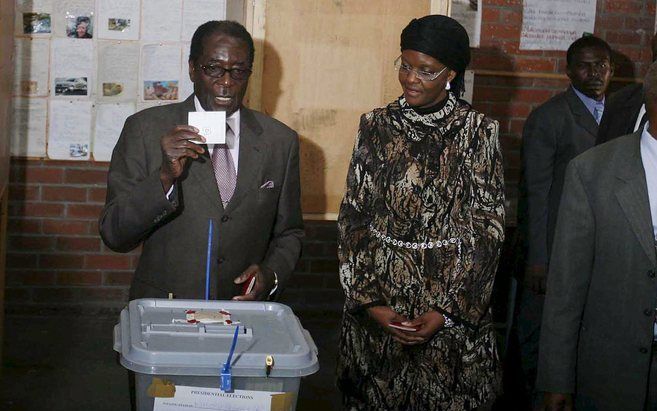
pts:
[444, 39]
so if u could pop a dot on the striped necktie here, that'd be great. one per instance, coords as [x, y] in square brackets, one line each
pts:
[224, 168]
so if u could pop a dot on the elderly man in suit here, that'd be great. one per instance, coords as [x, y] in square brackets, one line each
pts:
[625, 112]
[597, 348]
[163, 188]
[554, 133]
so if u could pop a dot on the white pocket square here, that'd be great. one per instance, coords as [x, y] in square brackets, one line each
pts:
[268, 184]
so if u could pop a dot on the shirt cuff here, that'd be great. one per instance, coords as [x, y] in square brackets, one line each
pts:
[273, 290]
[168, 194]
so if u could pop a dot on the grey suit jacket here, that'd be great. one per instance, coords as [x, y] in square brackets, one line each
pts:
[554, 133]
[260, 225]
[597, 329]
[621, 112]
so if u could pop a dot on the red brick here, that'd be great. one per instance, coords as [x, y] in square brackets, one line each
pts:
[539, 96]
[97, 195]
[110, 262]
[490, 15]
[624, 37]
[324, 266]
[77, 176]
[24, 226]
[20, 260]
[500, 31]
[84, 210]
[78, 243]
[307, 281]
[104, 294]
[79, 278]
[24, 193]
[55, 295]
[17, 295]
[64, 193]
[54, 261]
[37, 175]
[38, 278]
[117, 278]
[625, 7]
[67, 226]
[534, 65]
[31, 209]
[30, 243]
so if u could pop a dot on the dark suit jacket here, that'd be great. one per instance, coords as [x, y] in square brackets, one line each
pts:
[621, 112]
[554, 133]
[597, 327]
[260, 225]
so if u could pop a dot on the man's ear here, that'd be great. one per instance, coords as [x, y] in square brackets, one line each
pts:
[192, 71]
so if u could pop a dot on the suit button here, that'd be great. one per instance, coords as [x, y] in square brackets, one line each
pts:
[651, 273]
[643, 350]
[220, 260]
[648, 311]
[224, 219]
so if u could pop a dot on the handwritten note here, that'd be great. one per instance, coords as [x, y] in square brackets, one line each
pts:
[555, 24]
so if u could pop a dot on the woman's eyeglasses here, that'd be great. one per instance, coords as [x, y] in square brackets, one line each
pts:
[421, 74]
[215, 70]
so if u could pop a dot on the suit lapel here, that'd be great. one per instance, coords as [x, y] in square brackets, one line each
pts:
[252, 147]
[632, 194]
[582, 115]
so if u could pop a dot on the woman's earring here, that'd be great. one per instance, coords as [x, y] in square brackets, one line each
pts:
[447, 86]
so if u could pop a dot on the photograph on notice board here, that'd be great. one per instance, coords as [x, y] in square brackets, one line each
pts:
[118, 24]
[161, 90]
[36, 23]
[79, 27]
[78, 150]
[68, 86]
[112, 89]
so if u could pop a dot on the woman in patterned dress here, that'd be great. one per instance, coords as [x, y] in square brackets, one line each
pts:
[420, 231]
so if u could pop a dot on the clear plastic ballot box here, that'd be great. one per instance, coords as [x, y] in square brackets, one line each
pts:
[186, 343]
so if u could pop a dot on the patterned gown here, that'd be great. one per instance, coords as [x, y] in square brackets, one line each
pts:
[420, 228]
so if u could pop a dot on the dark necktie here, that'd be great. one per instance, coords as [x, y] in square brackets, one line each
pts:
[224, 168]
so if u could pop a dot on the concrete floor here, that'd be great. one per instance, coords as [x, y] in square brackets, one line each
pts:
[61, 362]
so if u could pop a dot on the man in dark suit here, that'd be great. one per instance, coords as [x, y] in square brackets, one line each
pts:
[624, 111]
[163, 189]
[554, 133]
[597, 348]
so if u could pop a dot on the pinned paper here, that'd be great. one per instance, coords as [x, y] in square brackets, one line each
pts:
[161, 388]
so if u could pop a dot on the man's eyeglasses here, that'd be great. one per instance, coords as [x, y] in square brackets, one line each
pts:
[215, 70]
[421, 74]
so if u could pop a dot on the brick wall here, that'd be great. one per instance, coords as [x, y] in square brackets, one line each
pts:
[56, 259]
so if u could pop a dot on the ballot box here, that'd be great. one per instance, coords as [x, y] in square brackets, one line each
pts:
[178, 350]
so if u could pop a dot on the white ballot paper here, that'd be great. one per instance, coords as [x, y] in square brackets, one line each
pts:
[203, 399]
[211, 125]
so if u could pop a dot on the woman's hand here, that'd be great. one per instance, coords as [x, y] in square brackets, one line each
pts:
[384, 316]
[428, 324]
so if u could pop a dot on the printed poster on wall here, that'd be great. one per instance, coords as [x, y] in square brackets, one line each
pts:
[69, 134]
[555, 24]
[28, 127]
[468, 13]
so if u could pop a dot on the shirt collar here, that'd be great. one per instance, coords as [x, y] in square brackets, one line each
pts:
[648, 142]
[589, 102]
[233, 120]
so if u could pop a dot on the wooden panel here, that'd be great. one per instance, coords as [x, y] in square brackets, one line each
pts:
[324, 64]
[6, 75]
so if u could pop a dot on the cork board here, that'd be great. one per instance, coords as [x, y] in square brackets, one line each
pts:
[324, 63]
